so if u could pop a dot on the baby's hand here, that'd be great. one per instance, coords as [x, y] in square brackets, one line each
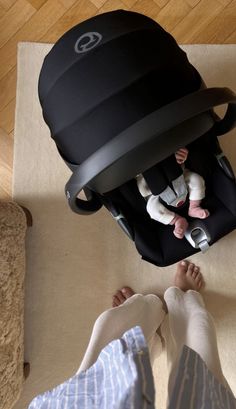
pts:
[181, 155]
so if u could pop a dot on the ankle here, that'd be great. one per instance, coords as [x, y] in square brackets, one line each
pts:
[175, 219]
[193, 204]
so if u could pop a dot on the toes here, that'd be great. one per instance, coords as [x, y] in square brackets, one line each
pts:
[188, 276]
[179, 234]
[120, 296]
[198, 212]
[115, 301]
[127, 292]
[183, 266]
[190, 269]
[198, 277]
[199, 280]
[195, 272]
[204, 214]
[199, 283]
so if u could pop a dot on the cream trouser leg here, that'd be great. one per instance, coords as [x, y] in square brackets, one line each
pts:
[143, 310]
[189, 323]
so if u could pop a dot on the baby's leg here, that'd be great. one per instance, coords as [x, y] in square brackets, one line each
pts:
[196, 186]
[161, 214]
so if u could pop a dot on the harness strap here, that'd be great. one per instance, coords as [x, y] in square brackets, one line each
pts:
[166, 180]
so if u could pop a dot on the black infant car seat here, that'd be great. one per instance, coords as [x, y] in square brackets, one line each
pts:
[120, 97]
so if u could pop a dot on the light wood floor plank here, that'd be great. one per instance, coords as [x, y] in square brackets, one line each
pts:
[161, 3]
[6, 4]
[193, 3]
[37, 3]
[231, 39]
[7, 88]
[2, 12]
[98, 3]
[221, 27]
[13, 20]
[69, 3]
[150, 8]
[225, 2]
[172, 14]
[7, 116]
[5, 195]
[82, 10]
[130, 3]
[6, 152]
[196, 21]
[6, 164]
[33, 30]
[112, 5]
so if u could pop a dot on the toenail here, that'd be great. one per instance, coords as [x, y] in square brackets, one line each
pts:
[183, 263]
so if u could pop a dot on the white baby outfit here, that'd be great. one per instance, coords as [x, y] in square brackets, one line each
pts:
[157, 211]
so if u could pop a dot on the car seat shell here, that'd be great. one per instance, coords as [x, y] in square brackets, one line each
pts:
[119, 96]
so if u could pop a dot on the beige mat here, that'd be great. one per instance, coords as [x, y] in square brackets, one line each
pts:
[75, 263]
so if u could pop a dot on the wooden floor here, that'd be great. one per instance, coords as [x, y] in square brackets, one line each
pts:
[189, 21]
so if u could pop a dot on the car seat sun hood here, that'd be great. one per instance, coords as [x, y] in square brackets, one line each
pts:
[149, 141]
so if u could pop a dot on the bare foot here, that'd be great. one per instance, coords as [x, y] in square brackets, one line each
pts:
[188, 277]
[198, 212]
[181, 226]
[195, 210]
[121, 296]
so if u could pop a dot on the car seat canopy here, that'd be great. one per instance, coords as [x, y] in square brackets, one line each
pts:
[90, 97]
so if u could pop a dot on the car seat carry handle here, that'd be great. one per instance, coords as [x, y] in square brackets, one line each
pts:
[228, 122]
[148, 141]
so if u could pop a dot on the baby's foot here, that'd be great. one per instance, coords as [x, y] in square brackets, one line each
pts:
[188, 277]
[121, 296]
[195, 210]
[181, 226]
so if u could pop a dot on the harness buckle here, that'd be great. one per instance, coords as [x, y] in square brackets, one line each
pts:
[198, 235]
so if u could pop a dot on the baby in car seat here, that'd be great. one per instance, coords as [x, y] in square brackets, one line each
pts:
[194, 184]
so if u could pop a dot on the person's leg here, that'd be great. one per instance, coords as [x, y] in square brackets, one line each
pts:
[189, 322]
[201, 334]
[128, 310]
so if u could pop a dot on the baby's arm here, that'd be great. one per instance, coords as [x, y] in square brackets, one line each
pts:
[181, 155]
